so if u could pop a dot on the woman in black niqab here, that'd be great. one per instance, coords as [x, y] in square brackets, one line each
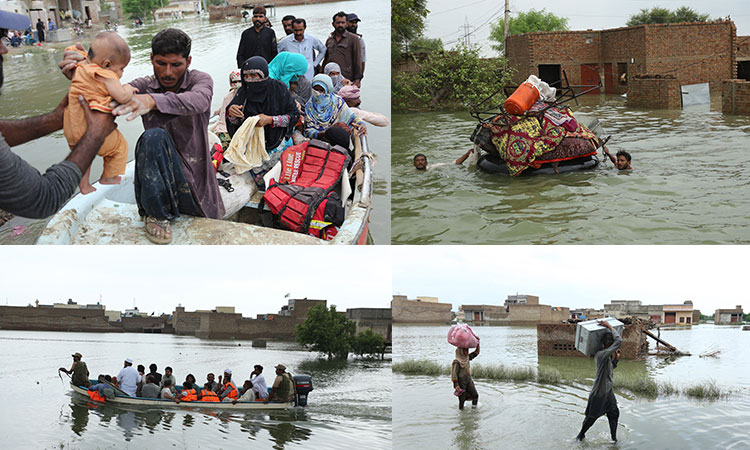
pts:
[267, 96]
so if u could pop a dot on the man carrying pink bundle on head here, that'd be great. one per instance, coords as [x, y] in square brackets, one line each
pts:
[97, 79]
[464, 338]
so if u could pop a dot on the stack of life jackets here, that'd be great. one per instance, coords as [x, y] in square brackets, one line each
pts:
[303, 199]
[191, 395]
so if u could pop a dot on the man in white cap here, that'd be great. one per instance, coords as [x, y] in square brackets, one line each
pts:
[283, 386]
[128, 378]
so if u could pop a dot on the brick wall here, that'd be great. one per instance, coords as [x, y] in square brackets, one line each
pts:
[535, 314]
[54, 319]
[659, 93]
[138, 324]
[559, 340]
[743, 48]
[411, 311]
[376, 319]
[735, 97]
[692, 52]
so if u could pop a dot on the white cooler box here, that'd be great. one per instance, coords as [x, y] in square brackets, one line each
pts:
[589, 334]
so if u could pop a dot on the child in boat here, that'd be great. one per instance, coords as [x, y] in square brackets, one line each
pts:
[97, 79]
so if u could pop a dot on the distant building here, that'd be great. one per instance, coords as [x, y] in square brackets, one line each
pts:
[728, 316]
[376, 319]
[485, 314]
[418, 311]
[292, 303]
[677, 314]
[113, 316]
[521, 300]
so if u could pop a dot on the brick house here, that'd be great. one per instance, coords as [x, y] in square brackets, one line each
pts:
[690, 52]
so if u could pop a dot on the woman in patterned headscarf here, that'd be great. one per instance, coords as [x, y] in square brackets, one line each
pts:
[333, 70]
[326, 108]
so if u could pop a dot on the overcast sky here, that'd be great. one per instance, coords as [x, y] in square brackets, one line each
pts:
[253, 279]
[446, 17]
[576, 276]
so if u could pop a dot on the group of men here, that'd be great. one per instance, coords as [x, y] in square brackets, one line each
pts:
[135, 382]
[344, 46]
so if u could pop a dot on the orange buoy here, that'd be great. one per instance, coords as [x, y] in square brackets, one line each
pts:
[522, 99]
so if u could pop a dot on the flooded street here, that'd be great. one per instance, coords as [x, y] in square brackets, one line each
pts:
[689, 185]
[350, 406]
[34, 85]
[528, 415]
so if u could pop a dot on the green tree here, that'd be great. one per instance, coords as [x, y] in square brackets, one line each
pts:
[663, 15]
[369, 343]
[143, 8]
[326, 331]
[526, 22]
[453, 79]
[425, 45]
[407, 24]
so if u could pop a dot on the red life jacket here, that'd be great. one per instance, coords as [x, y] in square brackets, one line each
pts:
[303, 200]
[95, 395]
[190, 397]
[209, 396]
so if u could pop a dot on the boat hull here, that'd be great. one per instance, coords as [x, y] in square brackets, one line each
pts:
[495, 165]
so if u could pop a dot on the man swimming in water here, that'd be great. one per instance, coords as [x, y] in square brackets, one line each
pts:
[621, 160]
[420, 160]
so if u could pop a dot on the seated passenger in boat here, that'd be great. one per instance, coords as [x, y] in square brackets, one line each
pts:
[228, 391]
[220, 127]
[283, 386]
[350, 94]
[168, 390]
[150, 389]
[259, 382]
[188, 393]
[271, 102]
[128, 378]
[168, 377]
[190, 378]
[210, 384]
[104, 387]
[326, 108]
[208, 395]
[621, 160]
[247, 394]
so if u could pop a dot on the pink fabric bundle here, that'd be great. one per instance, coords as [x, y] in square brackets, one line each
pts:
[461, 335]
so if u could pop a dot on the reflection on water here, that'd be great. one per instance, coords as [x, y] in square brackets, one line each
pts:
[689, 184]
[576, 368]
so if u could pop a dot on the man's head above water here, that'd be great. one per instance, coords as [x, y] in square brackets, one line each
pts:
[420, 161]
[623, 160]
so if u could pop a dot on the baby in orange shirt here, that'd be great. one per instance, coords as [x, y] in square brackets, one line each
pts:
[97, 78]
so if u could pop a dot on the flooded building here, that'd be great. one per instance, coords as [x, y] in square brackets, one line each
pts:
[728, 316]
[677, 314]
[559, 340]
[376, 319]
[420, 310]
[693, 53]
[518, 310]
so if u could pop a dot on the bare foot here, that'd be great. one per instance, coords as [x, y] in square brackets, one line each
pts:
[158, 231]
[112, 180]
[86, 187]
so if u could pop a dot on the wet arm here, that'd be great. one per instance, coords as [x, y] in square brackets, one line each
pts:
[119, 92]
[464, 156]
[609, 155]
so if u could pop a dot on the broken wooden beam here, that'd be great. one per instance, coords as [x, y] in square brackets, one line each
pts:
[671, 348]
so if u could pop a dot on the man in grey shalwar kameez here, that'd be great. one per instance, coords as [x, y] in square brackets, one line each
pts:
[602, 398]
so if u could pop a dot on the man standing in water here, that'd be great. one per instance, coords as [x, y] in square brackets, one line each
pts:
[602, 398]
[23, 190]
[344, 48]
[258, 40]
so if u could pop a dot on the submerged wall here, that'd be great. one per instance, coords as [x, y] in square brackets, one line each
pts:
[559, 340]
[657, 93]
[735, 97]
[54, 319]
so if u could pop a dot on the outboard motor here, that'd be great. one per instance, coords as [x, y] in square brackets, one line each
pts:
[302, 386]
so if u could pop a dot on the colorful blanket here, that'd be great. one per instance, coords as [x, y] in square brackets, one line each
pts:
[521, 141]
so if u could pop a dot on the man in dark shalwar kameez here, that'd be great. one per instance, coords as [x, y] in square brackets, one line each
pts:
[602, 398]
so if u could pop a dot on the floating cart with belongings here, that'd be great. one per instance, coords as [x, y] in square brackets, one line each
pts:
[534, 132]
[589, 334]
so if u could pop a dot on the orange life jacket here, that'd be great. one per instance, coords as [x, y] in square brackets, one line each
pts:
[191, 395]
[233, 394]
[95, 395]
[208, 396]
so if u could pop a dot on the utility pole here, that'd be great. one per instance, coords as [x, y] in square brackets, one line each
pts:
[505, 34]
